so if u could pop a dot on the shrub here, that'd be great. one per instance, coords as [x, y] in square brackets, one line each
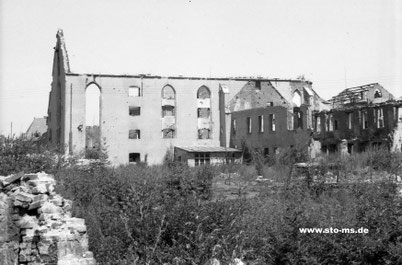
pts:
[21, 154]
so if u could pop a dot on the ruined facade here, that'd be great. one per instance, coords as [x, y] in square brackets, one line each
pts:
[268, 117]
[362, 118]
[140, 117]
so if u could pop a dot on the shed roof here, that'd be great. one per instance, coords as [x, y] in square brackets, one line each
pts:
[208, 149]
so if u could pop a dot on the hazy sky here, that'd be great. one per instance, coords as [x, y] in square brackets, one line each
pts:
[332, 43]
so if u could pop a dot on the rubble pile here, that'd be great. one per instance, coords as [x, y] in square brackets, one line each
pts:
[36, 226]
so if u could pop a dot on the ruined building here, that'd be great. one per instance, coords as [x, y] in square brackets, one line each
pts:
[140, 117]
[361, 118]
[274, 116]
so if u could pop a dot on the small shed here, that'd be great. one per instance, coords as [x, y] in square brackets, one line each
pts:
[213, 155]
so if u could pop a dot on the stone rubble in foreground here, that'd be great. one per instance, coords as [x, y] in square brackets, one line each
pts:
[36, 226]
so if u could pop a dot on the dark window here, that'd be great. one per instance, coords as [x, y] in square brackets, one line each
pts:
[134, 157]
[248, 124]
[377, 94]
[272, 122]
[202, 158]
[168, 110]
[134, 111]
[336, 125]
[266, 151]
[204, 112]
[168, 133]
[365, 119]
[258, 84]
[204, 134]
[350, 148]
[234, 126]
[134, 134]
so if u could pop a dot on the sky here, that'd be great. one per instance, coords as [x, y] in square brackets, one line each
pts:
[334, 44]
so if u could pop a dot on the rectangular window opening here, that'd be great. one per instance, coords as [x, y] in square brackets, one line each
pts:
[134, 91]
[380, 118]
[202, 159]
[330, 125]
[134, 157]
[204, 112]
[204, 134]
[261, 124]
[168, 133]
[350, 121]
[168, 110]
[134, 134]
[258, 84]
[134, 111]
[317, 124]
[234, 126]
[365, 119]
[272, 122]
[266, 151]
[248, 124]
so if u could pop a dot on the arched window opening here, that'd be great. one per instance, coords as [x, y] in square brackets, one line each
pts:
[92, 105]
[203, 93]
[297, 99]
[92, 119]
[168, 92]
[377, 94]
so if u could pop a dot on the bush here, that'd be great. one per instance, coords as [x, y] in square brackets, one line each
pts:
[26, 155]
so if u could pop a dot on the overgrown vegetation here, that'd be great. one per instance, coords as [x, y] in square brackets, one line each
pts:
[140, 214]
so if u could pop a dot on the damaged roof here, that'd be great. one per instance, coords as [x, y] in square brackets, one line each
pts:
[38, 125]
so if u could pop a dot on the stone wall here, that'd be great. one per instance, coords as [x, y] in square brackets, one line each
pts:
[36, 226]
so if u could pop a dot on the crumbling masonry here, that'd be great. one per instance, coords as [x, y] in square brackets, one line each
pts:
[36, 226]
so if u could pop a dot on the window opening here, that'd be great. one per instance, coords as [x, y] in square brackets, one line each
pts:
[248, 124]
[261, 123]
[134, 91]
[134, 157]
[272, 122]
[202, 159]
[134, 134]
[134, 111]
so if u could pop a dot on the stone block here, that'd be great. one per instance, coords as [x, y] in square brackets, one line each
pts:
[38, 201]
[40, 183]
[22, 199]
[50, 208]
[27, 222]
[5, 181]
